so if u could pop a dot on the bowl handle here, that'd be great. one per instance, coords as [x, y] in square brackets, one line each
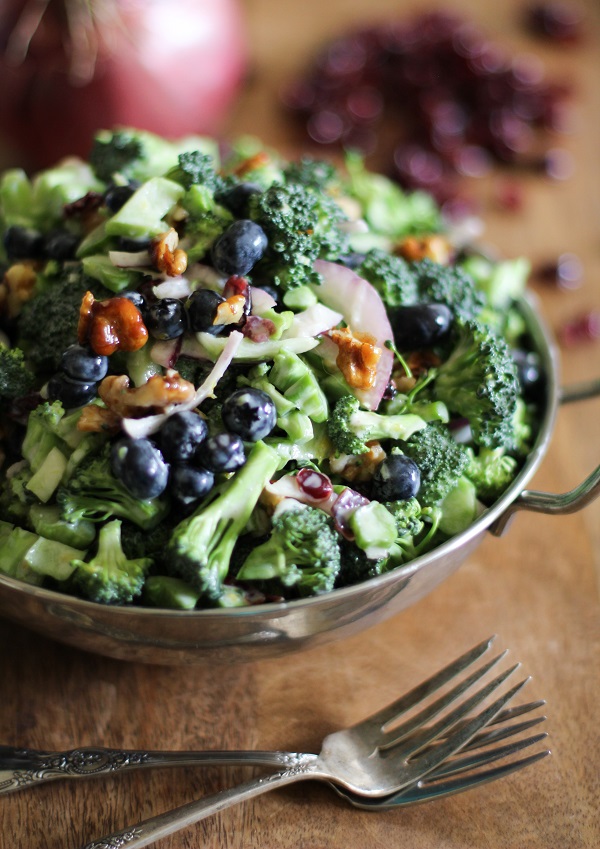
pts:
[557, 503]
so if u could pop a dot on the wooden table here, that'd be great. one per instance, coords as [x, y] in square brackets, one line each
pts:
[537, 587]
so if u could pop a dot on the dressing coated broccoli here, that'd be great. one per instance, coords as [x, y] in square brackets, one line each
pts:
[441, 461]
[201, 545]
[109, 577]
[350, 428]
[450, 285]
[302, 552]
[392, 276]
[115, 153]
[195, 168]
[16, 378]
[492, 470]
[479, 381]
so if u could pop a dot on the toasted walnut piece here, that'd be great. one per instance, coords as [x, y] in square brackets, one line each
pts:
[156, 395]
[95, 419]
[357, 358]
[17, 287]
[435, 247]
[115, 324]
[419, 362]
[359, 467]
[166, 256]
[231, 310]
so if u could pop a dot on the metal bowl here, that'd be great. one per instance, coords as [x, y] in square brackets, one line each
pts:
[242, 634]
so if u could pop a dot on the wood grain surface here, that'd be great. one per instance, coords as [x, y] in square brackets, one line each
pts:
[536, 587]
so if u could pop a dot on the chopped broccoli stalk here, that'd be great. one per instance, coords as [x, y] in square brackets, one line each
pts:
[249, 351]
[299, 384]
[32, 558]
[16, 542]
[301, 225]
[491, 470]
[142, 215]
[391, 276]
[374, 529]
[479, 381]
[350, 428]
[16, 199]
[302, 552]
[441, 461]
[16, 378]
[502, 282]
[44, 482]
[201, 546]
[41, 433]
[115, 153]
[100, 268]
[93, 492]
[450, 285]
[459, 508]
[172, 593]
[109, 577]
[47, 522]
[297, 425]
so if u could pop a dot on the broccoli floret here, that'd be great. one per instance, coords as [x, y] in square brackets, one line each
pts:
[93, 492]
[201, 546]
[16, 378]
[152, 543]
[301, 225]
[15, 499]
[479, 381]
[407, 515]
[55, 308]
[523, 424]
[316, 173]
[441, 461]
[392, 276]
[450, 285]
[491, 470]
[355, 566]
[195, 168]
[350, 428]
[302, 552]
[115, 153]
[110, 577]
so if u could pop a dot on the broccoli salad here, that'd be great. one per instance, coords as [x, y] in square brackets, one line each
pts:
[229, 379]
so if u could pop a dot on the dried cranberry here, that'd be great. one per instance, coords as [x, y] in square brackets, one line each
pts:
[582, 329]
[314, 484]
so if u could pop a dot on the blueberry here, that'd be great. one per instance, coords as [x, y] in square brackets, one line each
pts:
[82, 363]
[201, 308]
[250, 413]
[237, 199]
[188, 485]
[420, 326]
[23, 243]
[140, 467]
[136, 298]
[60, 245]
[239, 248]
[221, 453]
[165, 319]
[116, 196]
[181, 435]
[71, 392]
[529, 371]
[397, 479]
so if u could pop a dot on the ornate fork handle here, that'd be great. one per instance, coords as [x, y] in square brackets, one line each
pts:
[20, 768]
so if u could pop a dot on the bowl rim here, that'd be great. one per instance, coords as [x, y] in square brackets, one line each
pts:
[543, 343]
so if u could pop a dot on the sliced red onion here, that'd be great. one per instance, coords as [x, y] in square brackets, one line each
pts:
[130, 259]
[166, 352]
[173, 287]
[313, 321]
[343, 507]
[261, 301]
[364, 312]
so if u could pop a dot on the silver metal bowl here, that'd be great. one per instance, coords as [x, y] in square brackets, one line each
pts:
[242, 634]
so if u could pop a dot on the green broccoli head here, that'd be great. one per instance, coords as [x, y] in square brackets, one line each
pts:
[16, 377]
[491, 470]
[315, 173]
[441, 461]
[15, 499]
[392, 276]
[115, 153]
[302, 553]
[450, 285]
[479, 381]
[201, 546]
[93, 492]
[350, 428]
[407, 515]
[355, 566]
[109, 577]
[301, 225]
[55, 308]
[195, 168]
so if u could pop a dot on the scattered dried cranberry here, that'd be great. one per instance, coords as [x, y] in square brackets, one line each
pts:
[314, 484]
[556, 20]
[435, 97]
[580, 330]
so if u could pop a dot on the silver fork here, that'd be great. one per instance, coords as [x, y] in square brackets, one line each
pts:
[374, 758]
